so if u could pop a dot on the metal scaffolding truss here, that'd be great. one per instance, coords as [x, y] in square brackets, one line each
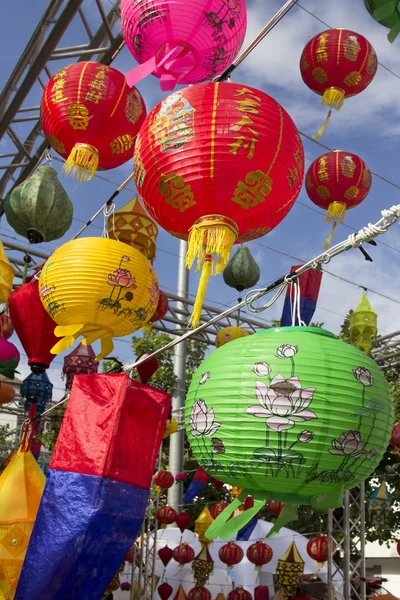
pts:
[98, 25]
[386, 350]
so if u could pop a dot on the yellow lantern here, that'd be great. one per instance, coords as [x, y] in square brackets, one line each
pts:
[289, 569]
[228, 334]
[201, 525]
[6, 275]
[363, 325]
[132, 225]
[99, 289]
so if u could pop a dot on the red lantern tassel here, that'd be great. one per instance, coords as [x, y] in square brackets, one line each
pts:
[82, 162]
[335, 214]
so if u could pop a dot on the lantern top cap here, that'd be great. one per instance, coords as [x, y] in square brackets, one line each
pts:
[296, 329]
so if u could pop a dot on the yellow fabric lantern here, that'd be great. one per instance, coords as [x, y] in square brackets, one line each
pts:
[363, 325]
[170, 428]
[7, 274]
[379, 507]
[228, 334]
[289, 569]
[201, 525]
[21, 486]
[99, 289]
[132, 225]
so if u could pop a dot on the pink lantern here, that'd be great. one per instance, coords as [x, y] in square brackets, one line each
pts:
[182, 41]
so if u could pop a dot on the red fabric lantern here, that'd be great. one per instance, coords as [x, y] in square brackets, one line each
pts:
[165, 555]
[261, 592]
[336, 182]
[199, 594]
[183, 521]
[218, 164]
[81, 361]
[165, 515]
[259, 554]
[163, 479]
[6, 328]
[217, 509]
[164, 590]
[183, 554]
[275, 508]
[147, 369]
[162, 308]
[395, 439]
[239, 593]
[317, 548]
[33, 325]
[231, 554]
[337, 64]
[91, 117]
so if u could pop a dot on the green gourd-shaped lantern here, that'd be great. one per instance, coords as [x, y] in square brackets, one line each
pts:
[242, 271]
[290, 414]
[387, 13]
[39, 209]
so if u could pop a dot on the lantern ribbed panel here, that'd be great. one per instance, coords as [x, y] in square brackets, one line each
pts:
[183, 554]
[91, 103]
[315, 420]
[338, 58]
[210, 31]
[338, 177]
[98, 288]
[259, 554]
[317, 548]
[219, 149]
[231, 554]
[164, 479]
[165, 515]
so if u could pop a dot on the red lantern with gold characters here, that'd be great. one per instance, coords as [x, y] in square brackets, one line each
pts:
[259, 554]
[338, 64]
[199, 594]
[317, 548]
[216, 509]
[239, 593]
[218, 164]
[183, 554]
[231, 554]
[91, 117]
[164, 479]
[337, 181]
[275, 508]
[165, 515]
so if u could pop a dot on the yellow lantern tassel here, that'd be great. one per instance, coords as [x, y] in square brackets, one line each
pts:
[323, 127]
[335, 214]
[333, 97]
[201, 291]
[148, 327]
[82, 162]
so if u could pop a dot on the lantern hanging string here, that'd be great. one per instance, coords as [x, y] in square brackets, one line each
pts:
[354, 240]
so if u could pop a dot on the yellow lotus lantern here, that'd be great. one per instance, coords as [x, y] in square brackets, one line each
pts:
[99, 289]
[132, 225]
[6, 275]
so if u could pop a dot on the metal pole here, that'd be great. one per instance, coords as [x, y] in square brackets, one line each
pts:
[362, 539]
[176, 444]
[330, 553]
[346, 547]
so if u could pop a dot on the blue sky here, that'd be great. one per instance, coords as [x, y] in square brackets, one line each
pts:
[367, 125]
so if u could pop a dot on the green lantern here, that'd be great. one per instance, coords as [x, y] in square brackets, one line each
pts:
[290, 414]
[39, 209]
[242, 271]
[363, 325]
[387, 13]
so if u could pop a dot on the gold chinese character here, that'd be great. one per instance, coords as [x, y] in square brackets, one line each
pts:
[242, 142]
[323, 192]
[56, 144]
[58, 85]
[256, 187]
[292, 177]
[58, 97]
[321, 53]
[244, 91]
[352, 78]
[177, 193]
[248, 105]
[245, 120]
[61, 73]
[320, 75]
[78, 116]
[94, 97]
[97, 84]
[297, 155]
[122, 144]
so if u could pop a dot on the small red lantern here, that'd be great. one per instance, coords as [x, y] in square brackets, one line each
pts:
[164, 590]
[165, 555]
[183, 520]
[147, 369]
[259, 554]
[183, 554]
[317, 548]
[81, 361]
[218, 164]
[239, 593]
[395, 439]
[165, 515]
[6, 328]
[199, 594]
[163, 479]
[261, 592]
[337, 64]
[91, 117]
[336, 182]
[217, 509]
[275, 508]
[231, 554]
[162, 308]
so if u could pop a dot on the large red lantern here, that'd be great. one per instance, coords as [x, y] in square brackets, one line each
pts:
[199, 594]
[337, 181]
[259, 554]
[165, 515]
[395, 439]
[337, 64]
[163, 479]
[239, 593]
[183, 554]
[33, 325]
[275, 508]
[218, 164]
[91, 117]
[231, 554]
[317, 548]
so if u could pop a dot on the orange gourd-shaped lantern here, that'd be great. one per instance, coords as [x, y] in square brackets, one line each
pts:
[337, 64]
[91, 117]
[336, 182]
[218, 163]
[231, 554]
[183, 554]
[259, 554]
[166, 515]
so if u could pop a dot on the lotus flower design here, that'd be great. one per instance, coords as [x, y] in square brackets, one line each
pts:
[202, 421]
[349, 444]
[364, 376]
[122, 278]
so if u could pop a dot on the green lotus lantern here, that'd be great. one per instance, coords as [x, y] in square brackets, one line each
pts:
[39, 209]
[290, 414]
[387, 13]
